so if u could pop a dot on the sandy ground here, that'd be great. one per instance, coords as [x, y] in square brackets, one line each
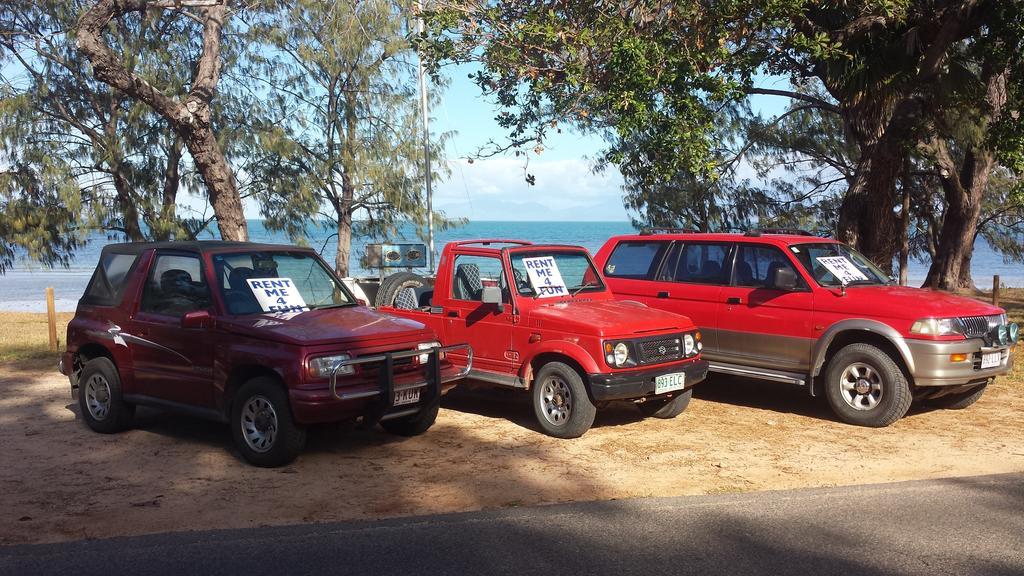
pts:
[59, 481]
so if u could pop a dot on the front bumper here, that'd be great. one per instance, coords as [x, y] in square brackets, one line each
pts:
[932, 366]
[376, 400]
[640, 383]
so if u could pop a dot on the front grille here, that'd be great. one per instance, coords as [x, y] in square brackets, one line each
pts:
[978, 326]
[661, 350]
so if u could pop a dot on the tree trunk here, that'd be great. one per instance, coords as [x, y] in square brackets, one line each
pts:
[190, 118]
[169, 196]
[963, 193]
[964, 187]
[905, 234]
[867, 220]
[341, 260]
[126, 206]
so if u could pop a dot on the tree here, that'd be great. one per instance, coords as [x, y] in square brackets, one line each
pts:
[664, 69]
[341, 79]
[190, 117]
[72, 141]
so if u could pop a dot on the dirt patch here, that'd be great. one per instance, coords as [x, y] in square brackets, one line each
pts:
[60, 481]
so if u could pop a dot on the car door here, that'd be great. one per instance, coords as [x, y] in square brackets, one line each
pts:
[690, 282]
[171, 362]
[760, 325]
[487, 327]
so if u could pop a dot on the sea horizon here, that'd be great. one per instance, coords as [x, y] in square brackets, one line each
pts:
[25, 283]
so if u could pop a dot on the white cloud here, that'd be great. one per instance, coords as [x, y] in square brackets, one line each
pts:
[496, 189]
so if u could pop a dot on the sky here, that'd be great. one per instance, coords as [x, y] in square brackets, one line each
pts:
[566, 187]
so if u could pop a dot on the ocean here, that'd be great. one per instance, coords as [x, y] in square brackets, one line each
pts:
[23, 288]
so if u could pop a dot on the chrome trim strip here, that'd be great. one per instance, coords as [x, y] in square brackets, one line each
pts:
[772, 375]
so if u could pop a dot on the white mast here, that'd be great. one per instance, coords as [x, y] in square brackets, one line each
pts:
[425, 112]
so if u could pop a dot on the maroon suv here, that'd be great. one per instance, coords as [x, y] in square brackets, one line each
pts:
[263, 337]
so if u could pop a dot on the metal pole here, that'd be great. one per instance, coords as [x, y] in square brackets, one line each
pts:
[425, 112]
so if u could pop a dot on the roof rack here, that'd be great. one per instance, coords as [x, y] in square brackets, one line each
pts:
[489, 241]
[791, 231]
[661, 230]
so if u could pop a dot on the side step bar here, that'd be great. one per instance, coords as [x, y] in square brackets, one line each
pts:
[759, 373]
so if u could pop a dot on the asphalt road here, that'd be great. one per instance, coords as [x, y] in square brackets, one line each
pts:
[954, 526]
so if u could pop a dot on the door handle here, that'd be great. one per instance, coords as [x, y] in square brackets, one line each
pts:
[453, 313]
[734, 300]
[662, 294]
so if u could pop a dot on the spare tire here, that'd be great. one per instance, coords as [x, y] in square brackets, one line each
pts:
[399, 280]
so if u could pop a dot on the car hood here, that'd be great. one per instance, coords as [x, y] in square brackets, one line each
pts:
[333, 325]
[904, 302]
[607, 318]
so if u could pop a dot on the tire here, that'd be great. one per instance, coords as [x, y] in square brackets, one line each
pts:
[262, 424]
[866, 387]
[960, 400]
[560, 401]
[100, 397]
[666, 408]
[392, 284]
[413, 425]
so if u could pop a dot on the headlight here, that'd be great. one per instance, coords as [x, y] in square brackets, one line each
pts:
[937, 327]
[424, 358]
[321, 366]
[688, 344]
[618, 354]
[1013, 331]
[621, 353]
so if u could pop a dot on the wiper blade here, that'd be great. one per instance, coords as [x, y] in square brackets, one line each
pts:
[581, 287]
[329, 306]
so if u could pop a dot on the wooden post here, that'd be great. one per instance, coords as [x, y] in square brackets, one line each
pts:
[51, 316]
[995, 290]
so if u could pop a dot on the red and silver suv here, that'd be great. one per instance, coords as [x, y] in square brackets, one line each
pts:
[794, 308]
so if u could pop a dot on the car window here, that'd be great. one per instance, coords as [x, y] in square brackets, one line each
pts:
[577, 273]
[471, 273]
[309, 279]
[755, 264]
[635, 259]
[175, 286]
[698, 262]
[109, 279]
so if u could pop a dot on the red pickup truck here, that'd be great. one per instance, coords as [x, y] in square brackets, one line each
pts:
[540, 317]
[263, 337]
[789, 307]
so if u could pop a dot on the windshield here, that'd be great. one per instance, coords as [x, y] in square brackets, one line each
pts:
[285, 281]
[549, 274]
[834, 264]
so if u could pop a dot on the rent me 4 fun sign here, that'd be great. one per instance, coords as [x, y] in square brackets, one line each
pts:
[277, 294]
[545, 277]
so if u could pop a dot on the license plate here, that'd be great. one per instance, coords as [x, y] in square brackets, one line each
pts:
[991, 360]
[407, 396]
[669, 382]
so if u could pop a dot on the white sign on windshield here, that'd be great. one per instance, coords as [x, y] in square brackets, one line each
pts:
[277, 294]
[545, 277]
[841, 267]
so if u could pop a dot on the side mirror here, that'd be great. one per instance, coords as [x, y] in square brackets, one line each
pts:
[197, 319]
[783, 278]
[492, 295]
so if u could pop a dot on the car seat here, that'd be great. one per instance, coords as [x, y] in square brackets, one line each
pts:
[744, 274]
[467, 282]
[238, 297]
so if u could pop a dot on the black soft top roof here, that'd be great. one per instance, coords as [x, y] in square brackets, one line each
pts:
[198, 246]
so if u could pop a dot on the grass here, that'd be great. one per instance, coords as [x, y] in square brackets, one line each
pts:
[24, 336]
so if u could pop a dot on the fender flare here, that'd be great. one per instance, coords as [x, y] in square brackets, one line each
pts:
[565, 348]
[860, 325]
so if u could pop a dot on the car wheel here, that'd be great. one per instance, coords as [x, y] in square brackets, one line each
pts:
[960, 400]
[866, 387]
[413, 425]
[262, 424]
[100, 398]
[666, 407]
[561, 403]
